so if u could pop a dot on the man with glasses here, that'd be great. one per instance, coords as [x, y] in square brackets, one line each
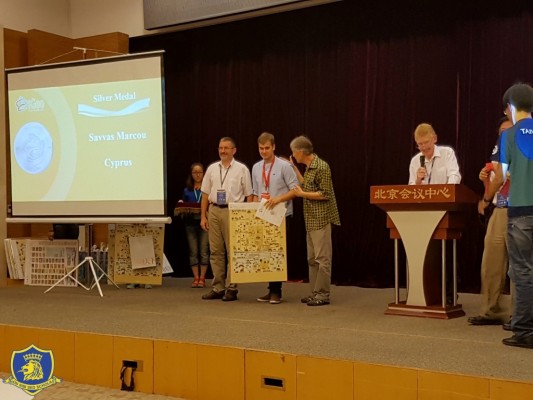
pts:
[226, 181]
[433, 164]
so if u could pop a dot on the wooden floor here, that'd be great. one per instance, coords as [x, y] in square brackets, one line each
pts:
[427, 357]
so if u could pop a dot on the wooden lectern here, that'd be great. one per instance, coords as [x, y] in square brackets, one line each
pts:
[421, 215]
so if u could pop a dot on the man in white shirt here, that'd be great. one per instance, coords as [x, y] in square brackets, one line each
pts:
[433, 164]
[226, 181]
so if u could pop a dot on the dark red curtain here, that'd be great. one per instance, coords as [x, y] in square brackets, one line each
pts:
[356, 79]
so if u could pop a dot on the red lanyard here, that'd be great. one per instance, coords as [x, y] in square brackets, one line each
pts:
[266, 179]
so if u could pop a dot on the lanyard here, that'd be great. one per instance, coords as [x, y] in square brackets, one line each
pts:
[225, 175]
[198, 195]
[266, 179]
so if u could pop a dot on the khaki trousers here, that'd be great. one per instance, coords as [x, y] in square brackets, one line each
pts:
[319, 254]
[218, 219]
[494, 264]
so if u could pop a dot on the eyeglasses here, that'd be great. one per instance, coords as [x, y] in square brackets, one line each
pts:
[423, 144]
[225, 148]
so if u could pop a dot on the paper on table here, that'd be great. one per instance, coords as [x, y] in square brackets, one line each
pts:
[274, 215]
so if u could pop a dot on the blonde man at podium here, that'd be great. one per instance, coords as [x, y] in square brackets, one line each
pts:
[433, 164]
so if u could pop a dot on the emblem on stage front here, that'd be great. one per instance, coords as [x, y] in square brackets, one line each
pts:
[32, 370]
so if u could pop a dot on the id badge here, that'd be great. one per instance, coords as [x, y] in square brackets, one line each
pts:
[265, 196]
[221, 197]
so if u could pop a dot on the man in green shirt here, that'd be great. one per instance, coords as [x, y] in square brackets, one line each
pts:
[320, 212]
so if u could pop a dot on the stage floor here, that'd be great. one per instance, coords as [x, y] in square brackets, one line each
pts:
[353, 327]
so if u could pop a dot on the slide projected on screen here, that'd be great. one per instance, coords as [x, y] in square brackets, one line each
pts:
[87, 138]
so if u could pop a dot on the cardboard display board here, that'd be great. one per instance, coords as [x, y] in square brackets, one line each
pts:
[47, 261]
[258, 249]
[119, 246]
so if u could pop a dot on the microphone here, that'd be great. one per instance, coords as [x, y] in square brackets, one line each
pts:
[422, 161]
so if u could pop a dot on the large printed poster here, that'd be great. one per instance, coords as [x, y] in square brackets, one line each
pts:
[258, 249]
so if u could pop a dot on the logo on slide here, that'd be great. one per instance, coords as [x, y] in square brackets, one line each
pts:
[32, 370]
[33, 148]
[24, 104]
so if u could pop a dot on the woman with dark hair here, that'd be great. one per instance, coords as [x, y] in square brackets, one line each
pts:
[196, 236]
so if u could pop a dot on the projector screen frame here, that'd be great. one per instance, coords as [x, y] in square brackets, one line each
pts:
[160, 215]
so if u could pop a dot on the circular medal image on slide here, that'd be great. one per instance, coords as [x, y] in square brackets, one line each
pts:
[33, 148]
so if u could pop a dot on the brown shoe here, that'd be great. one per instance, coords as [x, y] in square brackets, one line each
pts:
[264, 299]
[231, 295]
[212, 295]
[275, 298]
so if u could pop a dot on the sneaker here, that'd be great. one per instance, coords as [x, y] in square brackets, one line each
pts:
[131, 286]
[317, 302]
[264, 299]
[231, 295]
[275, 298]
[212, 295]
[148, 286]
[306, 299]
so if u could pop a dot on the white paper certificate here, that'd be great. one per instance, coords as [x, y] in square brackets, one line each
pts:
[274, 215]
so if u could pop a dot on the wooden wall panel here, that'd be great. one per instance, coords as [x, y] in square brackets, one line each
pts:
[15, 48]
[44, 48]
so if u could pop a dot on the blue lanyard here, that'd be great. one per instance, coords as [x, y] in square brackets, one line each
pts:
[198, 195]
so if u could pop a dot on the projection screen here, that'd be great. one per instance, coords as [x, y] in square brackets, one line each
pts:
[87, 138]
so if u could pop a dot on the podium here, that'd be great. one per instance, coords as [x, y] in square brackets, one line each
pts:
[425, 217]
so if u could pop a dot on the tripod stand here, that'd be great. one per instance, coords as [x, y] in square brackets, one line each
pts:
[92, 264]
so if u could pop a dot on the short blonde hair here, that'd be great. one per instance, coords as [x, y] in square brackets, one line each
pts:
[424, 130]
[266, 137]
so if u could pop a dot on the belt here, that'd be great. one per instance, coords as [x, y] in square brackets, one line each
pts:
[219, 205]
